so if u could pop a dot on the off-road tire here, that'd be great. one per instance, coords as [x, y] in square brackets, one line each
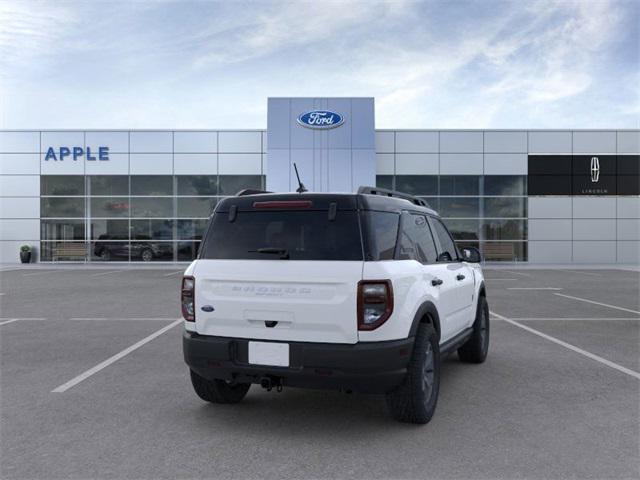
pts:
[414, 401]
[476, 348]
[218, 391]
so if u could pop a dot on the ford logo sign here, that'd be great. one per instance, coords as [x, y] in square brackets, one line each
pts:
[320, 119]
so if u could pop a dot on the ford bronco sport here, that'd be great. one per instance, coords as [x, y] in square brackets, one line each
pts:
[356, 292]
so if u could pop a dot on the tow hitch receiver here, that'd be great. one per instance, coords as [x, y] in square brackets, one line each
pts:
[268, 383]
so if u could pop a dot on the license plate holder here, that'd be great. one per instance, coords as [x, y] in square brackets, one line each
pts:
[274, 354]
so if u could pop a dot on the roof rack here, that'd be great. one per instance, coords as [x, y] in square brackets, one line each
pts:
[250, 191]
[392, 193]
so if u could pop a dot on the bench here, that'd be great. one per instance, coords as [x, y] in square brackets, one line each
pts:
[498, 251]
[68, 251]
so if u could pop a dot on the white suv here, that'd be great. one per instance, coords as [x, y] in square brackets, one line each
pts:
[357, 292]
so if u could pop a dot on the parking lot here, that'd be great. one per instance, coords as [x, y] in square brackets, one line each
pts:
[93, 385]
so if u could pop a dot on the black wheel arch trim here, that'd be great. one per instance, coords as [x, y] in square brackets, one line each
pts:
[426, 310]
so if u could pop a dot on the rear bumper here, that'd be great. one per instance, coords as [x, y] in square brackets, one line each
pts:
[375, 367]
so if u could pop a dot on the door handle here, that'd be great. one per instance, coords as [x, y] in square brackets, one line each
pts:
[460, 277]
[436, 281]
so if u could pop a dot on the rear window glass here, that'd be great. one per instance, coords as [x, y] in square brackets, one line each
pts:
[383, 232]
[275, 235]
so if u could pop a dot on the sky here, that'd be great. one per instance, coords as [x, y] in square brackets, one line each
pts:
[206, 64]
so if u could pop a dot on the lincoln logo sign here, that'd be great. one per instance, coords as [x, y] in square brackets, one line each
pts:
[77, 152]
[320, 119]
[595, 169]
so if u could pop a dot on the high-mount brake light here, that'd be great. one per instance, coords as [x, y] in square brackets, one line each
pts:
[284, 204]
[188, 298]
[375, 303]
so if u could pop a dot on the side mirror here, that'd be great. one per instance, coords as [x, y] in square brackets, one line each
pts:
[471, 255]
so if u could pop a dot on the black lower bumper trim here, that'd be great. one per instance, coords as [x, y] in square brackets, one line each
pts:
[373, 367]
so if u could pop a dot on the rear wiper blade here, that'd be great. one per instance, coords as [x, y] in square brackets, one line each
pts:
[283, 252]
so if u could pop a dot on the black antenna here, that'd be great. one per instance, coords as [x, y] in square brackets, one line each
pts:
[301, 188]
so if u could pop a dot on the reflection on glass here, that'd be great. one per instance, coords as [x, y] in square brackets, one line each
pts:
[195, 207]
[232, 184]
[384, 181]
[460, 207]
[109, 207]
[63, 251]
[151, 185]
[463, 229]
[205, 185]
[504, 251]
[187, 251]
[151, 229]
[504, 229]
[505, 185]
[62, 229]
[191, 229]
[109, 185]
[62, 207]
[497, 207]
[417, 184]
[136, 251]
[459, 185]
[151, 207]
[109, 229]
[68, 185]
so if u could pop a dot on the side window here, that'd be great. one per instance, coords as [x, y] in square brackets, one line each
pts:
[416, 241]
[383, 232]
[448, 247]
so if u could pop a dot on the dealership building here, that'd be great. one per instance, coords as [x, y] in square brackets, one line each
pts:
[537, 196]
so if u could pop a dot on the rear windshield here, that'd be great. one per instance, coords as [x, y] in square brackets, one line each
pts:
[290, 235]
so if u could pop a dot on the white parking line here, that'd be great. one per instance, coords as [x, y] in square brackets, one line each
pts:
[501, 279]
[39, 273]
[83, 376]
[518, 273]
[573, 348]
[111, 319]
[580, 272]
[597, 303]
[574, 319]
[11, 320]
[534, 288]
[106, 273]
[173, 273]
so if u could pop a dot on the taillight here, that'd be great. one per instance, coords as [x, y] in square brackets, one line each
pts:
[375, 303]
[187, 298]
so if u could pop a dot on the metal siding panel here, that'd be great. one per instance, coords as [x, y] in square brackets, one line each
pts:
[118, 164]
[363, 121]
[628, 252]
[340, 137]
[549, 229]
[151, 164]
[461, 164]
[549, 207]
[385, 142]
[239, 164]
[277, 169]
[68, 166]
[363, 168]
[628, 229]
[195, 163]
[592, 207]
[594, 142]
[61, 139]
[20, 185]
[151, 142]
[10, 250]
[628, 207]
[505, 142]
[25, 207]
[461, 142]
[549, 252]
[594, 229]
[594, 252]
[385, 164]
[118, 142]
[505, 163]
[550, 142]
[417, 164]
[301, 137]
[338, 180]
[19, 142]
[417, 142]
[239, 142]
[195, 142]
[19, 163]
[629, 142]
[20, 229]
[278, 129]
[307, 163]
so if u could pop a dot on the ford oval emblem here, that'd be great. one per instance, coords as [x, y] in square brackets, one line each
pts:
[320, 119]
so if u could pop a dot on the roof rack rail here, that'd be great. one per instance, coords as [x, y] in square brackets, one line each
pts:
[250, 191]
[392, 193]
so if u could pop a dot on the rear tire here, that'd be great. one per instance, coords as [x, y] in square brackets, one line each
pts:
[218, 391]
[147, 255]
[475, 349]
[414, 401]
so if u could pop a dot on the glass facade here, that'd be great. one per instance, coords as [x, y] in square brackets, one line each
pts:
[130, 217]
[488, 212]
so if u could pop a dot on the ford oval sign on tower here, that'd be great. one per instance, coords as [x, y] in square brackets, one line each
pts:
[320, 119]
